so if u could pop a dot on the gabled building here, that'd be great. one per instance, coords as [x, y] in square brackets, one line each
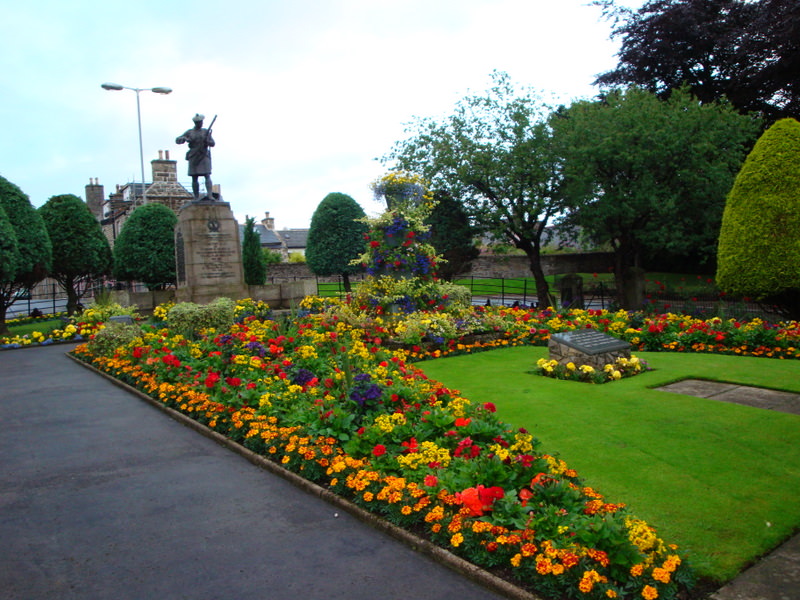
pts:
[164, 189]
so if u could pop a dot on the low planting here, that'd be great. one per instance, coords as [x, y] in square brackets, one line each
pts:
[328, 400]
[333, 395]
[719, 479]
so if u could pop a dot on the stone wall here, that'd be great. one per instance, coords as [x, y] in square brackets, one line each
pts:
[513, 267]
[489, 265]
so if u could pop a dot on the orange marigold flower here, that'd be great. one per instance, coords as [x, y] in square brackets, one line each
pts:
[661, 575]
[649, 593]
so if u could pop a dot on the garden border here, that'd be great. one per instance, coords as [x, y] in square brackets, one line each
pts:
[416, 543]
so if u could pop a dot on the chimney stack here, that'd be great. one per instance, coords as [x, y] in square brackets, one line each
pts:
[94, 198]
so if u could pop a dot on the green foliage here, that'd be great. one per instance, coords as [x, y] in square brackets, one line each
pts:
[297, 258]
[759, 243]
[452, 236]
[33, 243]
[495, 155]
[33, 255]
[650, 176]
[9, 253]
[145, 248]
[188, 318]
[114, 335]
[271, 257]
[255, 267]
[80, 250]
[336, 236]
[103, 307]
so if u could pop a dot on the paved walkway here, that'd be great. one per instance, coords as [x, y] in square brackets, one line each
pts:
[740, 394]
[102, 496]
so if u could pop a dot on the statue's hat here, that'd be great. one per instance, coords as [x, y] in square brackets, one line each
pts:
[198, 117]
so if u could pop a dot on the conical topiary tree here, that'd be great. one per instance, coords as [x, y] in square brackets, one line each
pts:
[336, 237]
[253, 262]
[759, 242]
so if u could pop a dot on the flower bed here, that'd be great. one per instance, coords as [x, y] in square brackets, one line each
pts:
[327, 400]
[622, 368]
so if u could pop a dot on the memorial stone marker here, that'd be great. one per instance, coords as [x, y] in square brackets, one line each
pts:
[587, 347]
[208, 253]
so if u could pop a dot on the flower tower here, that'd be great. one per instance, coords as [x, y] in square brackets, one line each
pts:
[400, 261]
[397, 242]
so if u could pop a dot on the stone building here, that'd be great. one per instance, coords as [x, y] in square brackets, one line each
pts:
[164, 189]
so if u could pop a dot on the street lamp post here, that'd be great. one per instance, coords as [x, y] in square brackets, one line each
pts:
[157, 90]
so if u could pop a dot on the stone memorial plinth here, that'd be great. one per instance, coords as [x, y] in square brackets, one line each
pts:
[587, 347]
[208, 253]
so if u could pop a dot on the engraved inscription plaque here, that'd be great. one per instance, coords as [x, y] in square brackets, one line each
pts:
[590, 341]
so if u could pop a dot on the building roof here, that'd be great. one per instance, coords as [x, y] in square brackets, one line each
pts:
[294, 238]
[268, 237]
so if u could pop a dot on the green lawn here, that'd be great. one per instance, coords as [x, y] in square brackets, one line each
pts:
[44, 326]
[720, 480]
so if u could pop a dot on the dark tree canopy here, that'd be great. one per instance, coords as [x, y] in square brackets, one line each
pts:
[9, 251]
[747, 51]
[145, 248]
[452, 236]
[31, 260]
[81, 252]
[759, 242]
[254, 262]
[336, 237]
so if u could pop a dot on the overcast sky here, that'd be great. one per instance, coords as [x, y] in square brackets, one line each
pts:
[308, 93]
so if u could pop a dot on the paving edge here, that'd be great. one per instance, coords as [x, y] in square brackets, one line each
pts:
[423, 546]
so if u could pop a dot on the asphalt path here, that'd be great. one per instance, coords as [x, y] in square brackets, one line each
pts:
[104, 496]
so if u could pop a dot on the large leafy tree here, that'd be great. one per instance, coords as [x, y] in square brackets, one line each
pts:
[747, 51]
[452, 235]
[81, 252]
[495, 155]
[9, 250]
[336, 237]
[254, 262]
[145, 248]
[759, 242]
[33, 250]
[650, 176]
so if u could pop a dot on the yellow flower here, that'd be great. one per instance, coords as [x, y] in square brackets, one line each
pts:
[456, 540]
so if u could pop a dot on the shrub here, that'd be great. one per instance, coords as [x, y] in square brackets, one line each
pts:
[114, 335]
[759, 241]
[188, 318]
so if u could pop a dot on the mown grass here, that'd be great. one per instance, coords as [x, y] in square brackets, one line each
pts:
[44, 326]
[719, 479]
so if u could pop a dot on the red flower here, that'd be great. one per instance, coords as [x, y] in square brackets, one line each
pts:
[463, 421]
[490, 407]
[430, 480]
[410, 446]
[211, 379]
[379, 450]
[479, 499]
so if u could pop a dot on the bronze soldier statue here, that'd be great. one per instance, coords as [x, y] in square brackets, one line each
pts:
[199, 155]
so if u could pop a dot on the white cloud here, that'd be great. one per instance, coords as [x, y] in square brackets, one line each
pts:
[308, 93]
